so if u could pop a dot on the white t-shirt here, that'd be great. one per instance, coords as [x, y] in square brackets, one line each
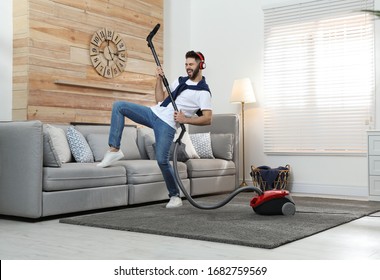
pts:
[189, 102]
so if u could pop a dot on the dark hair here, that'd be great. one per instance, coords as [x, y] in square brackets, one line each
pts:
[195, 55]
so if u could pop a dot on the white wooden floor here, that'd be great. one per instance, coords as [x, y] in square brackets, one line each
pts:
[50, 239]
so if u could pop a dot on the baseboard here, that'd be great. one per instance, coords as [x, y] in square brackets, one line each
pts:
[374, 198]
[357, 192]
[330, 190]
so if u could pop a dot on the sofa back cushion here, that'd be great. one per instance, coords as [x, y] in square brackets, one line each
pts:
[97, 138]
[223, 145]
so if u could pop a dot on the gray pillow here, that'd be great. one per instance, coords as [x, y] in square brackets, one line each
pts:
[223, 146]
[181, 152]
[142, 132]
[50, 158]
[149, 146]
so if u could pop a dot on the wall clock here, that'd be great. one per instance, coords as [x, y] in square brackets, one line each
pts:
[108, 53]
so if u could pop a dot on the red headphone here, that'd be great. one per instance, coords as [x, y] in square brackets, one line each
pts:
[202, 64]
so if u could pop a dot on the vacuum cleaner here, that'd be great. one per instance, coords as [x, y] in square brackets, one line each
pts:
[271, 202]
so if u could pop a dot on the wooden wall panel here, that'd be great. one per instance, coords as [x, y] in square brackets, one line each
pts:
[20, 60]
[54, 80]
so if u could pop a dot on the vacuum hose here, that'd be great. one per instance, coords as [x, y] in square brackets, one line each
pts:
[178, 142]
[191, 200]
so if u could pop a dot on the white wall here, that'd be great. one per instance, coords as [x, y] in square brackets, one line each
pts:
[6, 60]
[177, 16]
[230, 34]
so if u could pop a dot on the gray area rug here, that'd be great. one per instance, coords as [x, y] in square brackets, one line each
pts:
[235, 223]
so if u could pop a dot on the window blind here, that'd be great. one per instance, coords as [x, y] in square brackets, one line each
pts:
[318, 77]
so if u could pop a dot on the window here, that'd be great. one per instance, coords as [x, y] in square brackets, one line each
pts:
[318, 77]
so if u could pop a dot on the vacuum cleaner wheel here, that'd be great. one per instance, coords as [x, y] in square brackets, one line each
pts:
[288, 209]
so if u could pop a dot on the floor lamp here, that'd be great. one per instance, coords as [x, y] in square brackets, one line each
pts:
[242, 92]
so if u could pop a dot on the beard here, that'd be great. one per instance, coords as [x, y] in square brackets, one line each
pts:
[194, 73]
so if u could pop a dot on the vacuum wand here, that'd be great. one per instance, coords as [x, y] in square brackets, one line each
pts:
[164, 80]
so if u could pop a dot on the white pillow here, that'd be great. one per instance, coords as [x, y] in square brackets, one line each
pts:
[79, 146]
[202, 144]
[189, 147]
[61, 146]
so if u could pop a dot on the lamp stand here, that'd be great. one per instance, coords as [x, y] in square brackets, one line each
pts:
[243, 183]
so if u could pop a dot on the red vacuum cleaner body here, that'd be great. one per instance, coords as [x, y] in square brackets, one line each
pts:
[273, 202]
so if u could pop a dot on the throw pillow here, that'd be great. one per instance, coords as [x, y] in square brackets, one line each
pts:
[181, 152]
[142, 132]
[202, 144]
[149, 146]
[51, 158]
[59, 140]
[189, 147]
[222, 146]
[79, 146]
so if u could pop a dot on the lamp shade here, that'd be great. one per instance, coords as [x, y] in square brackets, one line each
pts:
[242, 91]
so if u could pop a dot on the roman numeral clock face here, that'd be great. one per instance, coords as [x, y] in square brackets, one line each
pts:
[108, 53]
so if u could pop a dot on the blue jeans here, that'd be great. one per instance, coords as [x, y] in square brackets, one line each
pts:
[164, 135]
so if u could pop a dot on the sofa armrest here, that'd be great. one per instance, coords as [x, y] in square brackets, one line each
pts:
[21, 161]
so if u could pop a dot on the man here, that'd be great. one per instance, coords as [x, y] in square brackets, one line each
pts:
[191, 94]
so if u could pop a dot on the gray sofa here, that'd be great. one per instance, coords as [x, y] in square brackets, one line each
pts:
[31, 187]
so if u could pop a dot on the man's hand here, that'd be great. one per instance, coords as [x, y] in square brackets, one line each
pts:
[159, 92]
[159, 72]
[180, 117]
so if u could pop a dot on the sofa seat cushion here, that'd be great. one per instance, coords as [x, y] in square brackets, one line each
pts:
[146, 171]
[71, 176]
[210, 167]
